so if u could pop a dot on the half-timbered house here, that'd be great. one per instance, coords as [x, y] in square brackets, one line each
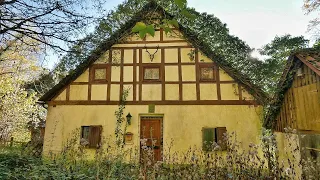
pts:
[176, 86]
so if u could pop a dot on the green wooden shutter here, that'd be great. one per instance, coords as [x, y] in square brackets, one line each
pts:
[208, 137]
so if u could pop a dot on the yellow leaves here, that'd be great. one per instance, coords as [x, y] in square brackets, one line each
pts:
[35, 68]
[311, 5]
[17, 107]
[20, 60]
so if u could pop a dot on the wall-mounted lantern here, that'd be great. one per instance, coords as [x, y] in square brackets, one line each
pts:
[129, 118]
[128, 137]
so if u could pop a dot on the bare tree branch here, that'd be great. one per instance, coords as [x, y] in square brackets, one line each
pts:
[3, 2]
[53, 23]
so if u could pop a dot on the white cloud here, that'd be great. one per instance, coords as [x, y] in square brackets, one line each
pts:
[258, 22]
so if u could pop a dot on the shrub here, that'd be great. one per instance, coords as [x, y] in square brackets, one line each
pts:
[115, 162]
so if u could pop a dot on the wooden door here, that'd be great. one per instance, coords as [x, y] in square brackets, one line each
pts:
[150, 130]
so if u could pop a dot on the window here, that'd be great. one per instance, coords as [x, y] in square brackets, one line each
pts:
[310, 146]
[207, 73]
[213, 135]
[208, 137]
[99, 74]
[151, 73]
[91, 136]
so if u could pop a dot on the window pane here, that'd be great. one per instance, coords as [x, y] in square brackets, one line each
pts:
[221, 133]
[310, 144]
[100, 73]
[207, 73]
[85, 132]
[151, 73]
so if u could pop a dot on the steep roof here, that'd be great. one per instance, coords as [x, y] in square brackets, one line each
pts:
[190, 36]
[311, 58]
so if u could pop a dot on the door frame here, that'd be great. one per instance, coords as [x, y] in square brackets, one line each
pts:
[152, 116]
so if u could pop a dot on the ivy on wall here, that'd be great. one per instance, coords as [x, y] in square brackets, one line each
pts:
[121, 123]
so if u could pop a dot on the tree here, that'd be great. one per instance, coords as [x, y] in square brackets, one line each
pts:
[18, 106]
[49, 22]
[20, 60]
[277, 52]
[311, 6]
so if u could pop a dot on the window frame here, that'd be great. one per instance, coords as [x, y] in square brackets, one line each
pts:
[216, 138]
[309, 145]
[82, 132]
[93, 73]
[152, 67]
[208, 65]
[94, 146]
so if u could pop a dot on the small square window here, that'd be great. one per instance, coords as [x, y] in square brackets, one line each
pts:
[207, 74]
[100, 74]
[151, 73]
[210, 136]
[91, 136]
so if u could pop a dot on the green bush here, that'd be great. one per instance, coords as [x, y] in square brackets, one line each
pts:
[233, 163]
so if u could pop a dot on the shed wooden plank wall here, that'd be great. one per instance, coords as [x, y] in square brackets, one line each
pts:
[301, 106]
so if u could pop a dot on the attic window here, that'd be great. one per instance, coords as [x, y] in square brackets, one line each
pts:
[207, 73]
[299, 72]
[99, 74]
[151, 73]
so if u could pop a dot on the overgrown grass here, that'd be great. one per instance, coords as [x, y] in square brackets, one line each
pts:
[115, 162]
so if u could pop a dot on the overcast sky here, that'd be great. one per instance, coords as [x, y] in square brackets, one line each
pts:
[256, 22]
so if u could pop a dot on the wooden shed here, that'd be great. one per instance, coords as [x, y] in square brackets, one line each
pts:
[297, 103]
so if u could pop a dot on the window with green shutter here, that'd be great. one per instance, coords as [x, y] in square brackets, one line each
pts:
[208, 137]
[213, 135]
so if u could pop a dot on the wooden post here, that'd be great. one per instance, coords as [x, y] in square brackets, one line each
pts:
[11, 141]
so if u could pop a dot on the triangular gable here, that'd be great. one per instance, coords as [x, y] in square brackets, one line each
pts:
[254, 90]
[308, 57]
[311, 59]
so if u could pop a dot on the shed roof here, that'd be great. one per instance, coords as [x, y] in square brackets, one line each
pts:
[311, 58]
